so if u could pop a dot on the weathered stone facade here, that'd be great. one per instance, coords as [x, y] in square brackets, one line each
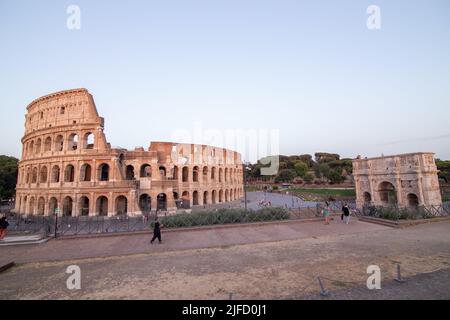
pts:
[67, 163]
[406, 180]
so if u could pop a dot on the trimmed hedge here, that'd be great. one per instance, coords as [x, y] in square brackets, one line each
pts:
[223, 216]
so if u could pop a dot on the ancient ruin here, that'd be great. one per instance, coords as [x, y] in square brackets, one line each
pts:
[67, 164]
[406, 180]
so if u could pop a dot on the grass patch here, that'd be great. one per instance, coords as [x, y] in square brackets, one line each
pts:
[223, 216]
[326, 192]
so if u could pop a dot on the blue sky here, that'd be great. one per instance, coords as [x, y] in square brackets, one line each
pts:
[310, 69]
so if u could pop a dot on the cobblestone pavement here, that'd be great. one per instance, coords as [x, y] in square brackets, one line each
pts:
[281, 263]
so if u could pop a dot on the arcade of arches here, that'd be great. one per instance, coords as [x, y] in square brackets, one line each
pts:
[67, 164]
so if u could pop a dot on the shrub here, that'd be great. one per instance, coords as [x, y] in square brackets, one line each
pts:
[223, 216]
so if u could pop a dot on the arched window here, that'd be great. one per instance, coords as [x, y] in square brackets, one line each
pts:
[31, 206]
[34, 176]
[205, 174]
[146, 171]
[186, 200]
[413, 200]
[103, 172]
[175, 173]
[52, 205]
[226, 174]
[195, 198]
[195, 174]
[83, 206]
[161, 202]
[67, 206]
[121, 205]
[41, 206]
[205, 197]
[130, 173]
[213, 173]
[48, 144]
[213, 196]
[220, 175]
[86, 172]
[185, 174]
[59, 143]
[43, 175]
[102, 206]
[367, 198]
[72, 142]
[55, 174]
[220, 196]
[69, 173]
[162, 171]
[37, 147]
[145, 203]
[31, 148]
[88, 140]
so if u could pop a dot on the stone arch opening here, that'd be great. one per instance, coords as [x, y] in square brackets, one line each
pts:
[41, 206]
[55, 174]
[146, 171]
[162, 171]
[185, 174]
[86, 173]
[102, 206]
[227, 196]
[213, 196]
[195, 174]
[67, 206]
[226, 175]
[220, 196]
[43, 175]
[72, 142]
[413, 200]
[31, 148]
[161, 202]
[145, 203]
[31, 205]
[185, 197]
[195, 198]
[59, 143]
[367, 198]
[121, 205]
[175, 173]
[205, 174]
[52, 205]
[387, 193]
[34, 175]
[213, 173]
[69, 173]
[48, 144]
[220, 175]
[37, 147]
[88, 140]
[83, 206]
[103, 172]
[205, 197]
[130, 172]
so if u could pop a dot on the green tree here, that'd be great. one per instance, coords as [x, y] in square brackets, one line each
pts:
[8, 176]
[335, 176]
[301, 169]
[286, 175]
[308, 178]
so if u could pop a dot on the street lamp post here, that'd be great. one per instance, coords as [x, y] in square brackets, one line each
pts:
[245, 186]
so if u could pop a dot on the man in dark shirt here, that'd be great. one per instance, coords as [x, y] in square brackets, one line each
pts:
[346, 214]
[156, 231]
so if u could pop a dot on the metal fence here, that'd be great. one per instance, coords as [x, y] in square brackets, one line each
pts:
[394, 212]
[81, 225]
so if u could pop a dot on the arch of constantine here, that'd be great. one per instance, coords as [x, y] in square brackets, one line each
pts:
[406, 180]
[68, 164]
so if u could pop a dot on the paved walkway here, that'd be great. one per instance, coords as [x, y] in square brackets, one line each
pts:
[66, 249]
[276, 262]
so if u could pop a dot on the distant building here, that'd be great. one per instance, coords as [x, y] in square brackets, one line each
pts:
[406, 180]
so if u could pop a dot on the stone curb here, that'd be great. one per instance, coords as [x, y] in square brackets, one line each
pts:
[7, 266]
[402, 224]
[199, 228]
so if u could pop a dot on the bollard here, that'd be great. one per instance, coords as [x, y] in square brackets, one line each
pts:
[399, 275]
[323, 291]
[231, 296]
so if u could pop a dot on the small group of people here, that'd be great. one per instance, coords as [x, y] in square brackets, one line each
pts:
[264, 203]
[345, 216]
[3, 227]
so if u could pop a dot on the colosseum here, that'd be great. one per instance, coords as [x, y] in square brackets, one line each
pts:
[68, 166]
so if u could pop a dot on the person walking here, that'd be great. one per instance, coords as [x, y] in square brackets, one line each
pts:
[326, 213]
[156, 231]
[3, 227]
[346, 214]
